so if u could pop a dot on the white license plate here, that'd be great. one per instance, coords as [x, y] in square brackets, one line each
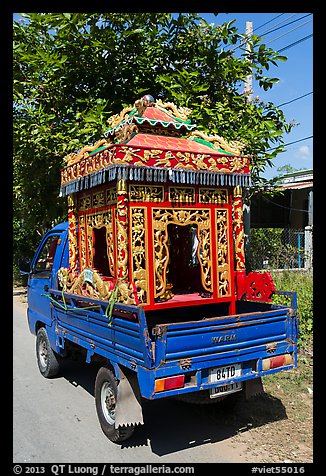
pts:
[221, 374]
[225, 389]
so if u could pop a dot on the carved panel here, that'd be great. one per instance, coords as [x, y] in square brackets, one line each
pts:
[111, 196]
[161, 219]
[238, 229]
[213, 195]
[182, 194]
[82, 242]
[146, 193]
[223, 253]
[122, 230]
[98, 200]
[72, 234]
[85, 203]
[139, 260]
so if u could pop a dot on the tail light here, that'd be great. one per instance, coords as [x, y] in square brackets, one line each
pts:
[277, 361]
[169, 383]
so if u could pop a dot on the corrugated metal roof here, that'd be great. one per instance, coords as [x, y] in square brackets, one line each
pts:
[297, 185]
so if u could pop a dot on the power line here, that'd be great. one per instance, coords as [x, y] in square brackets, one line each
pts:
[290, 143]
[287, 32]
[280, 22]
[260, 26]
[290, 23]
[296, 99]
[274, 29]
[295, 43]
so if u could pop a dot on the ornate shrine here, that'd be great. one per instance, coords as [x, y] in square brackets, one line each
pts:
[155, 219]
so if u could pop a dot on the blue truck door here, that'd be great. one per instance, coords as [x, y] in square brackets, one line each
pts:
[45, 264]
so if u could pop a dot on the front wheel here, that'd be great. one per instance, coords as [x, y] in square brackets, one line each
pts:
[47, 359]
[105, 401]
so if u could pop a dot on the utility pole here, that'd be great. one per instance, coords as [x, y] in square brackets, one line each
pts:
[248, 80]
[246, 199]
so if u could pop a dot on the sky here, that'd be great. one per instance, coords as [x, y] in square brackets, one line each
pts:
[281, 30]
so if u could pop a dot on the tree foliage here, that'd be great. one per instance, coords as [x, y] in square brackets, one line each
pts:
[73, 70]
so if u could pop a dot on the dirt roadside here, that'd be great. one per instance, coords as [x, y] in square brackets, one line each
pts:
[274, 427]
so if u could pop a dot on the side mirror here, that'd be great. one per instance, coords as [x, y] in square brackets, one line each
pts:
[24, 265]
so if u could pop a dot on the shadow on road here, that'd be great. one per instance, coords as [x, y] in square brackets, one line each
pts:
[171, 425]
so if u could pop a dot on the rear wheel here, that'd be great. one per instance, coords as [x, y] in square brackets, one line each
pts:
[105, 401]
[47, 359]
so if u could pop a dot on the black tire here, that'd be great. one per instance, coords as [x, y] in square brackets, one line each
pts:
[47, 359]
[105, 401]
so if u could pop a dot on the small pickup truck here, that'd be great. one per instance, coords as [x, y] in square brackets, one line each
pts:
[198, 352]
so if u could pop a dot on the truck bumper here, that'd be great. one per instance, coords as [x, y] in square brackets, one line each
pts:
[185, 377]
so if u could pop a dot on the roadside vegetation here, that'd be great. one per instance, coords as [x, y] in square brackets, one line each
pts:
[288, 398]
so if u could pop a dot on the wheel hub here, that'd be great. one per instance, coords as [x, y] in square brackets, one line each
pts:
[43, 353]
[108, 403]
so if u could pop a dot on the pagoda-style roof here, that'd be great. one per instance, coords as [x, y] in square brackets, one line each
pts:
[145, 143]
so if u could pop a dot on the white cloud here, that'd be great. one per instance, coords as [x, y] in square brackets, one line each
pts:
[304, 152]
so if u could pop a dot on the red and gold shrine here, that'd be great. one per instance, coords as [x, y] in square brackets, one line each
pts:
[155, 214]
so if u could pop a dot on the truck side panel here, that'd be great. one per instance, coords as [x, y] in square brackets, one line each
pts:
[121, 337]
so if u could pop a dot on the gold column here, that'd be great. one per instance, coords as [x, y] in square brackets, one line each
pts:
[238, 228]
[72, 234]
[122, 229]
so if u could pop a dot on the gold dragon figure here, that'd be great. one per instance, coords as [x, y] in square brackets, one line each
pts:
[235, 147]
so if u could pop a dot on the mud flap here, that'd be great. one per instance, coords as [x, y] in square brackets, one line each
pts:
[128, 410]
[253, 387]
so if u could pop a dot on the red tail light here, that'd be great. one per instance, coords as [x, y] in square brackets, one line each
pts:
[277, 361]
[169, 383]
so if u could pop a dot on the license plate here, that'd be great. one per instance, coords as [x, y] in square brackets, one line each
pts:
[225, 389]
[221, 374]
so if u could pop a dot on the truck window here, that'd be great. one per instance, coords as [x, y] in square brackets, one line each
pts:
[44, 261]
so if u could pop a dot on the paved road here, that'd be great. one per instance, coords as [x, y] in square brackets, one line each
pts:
[55, 420]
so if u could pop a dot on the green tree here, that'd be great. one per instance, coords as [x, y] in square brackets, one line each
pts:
[73, 70]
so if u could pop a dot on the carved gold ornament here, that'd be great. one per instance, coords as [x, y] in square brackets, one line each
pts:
[97, 288]
[223, 258]
[122, 229]
[182, 194]
[179, 112]
[72, 158]
[213, 195]
[238, 229]
[139, 262]
[234, 147]
[72, 233]
[146, 193]
[116, 119]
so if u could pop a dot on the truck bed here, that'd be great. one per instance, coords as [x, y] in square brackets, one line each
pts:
[190, 341]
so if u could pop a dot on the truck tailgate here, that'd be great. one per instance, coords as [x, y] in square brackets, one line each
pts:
[231, 336]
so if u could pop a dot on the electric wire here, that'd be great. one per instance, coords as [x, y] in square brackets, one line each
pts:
[290, 23]
[296, 99]
[295, 43]
[286, 33]
[279, 23]
[290, 143]
[269, 21]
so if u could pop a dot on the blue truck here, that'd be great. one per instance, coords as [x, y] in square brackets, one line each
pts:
[195, 352]
[148, 276]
